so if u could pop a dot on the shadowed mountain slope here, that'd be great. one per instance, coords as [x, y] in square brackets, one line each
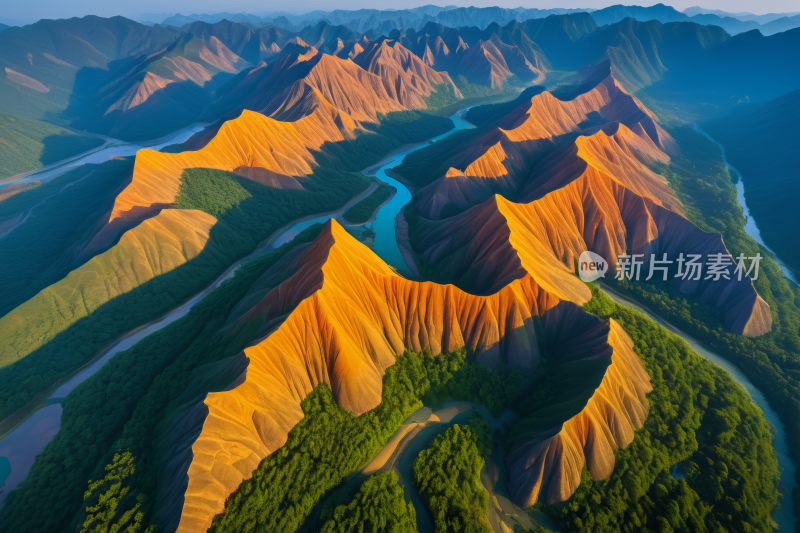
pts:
[304, 79]
[406, 77]
[709, 76]
[52, 52]
[487, 57]
[493, 62]
[548, 450]
[154, 247]
[762, 145]
[161, 92]
[366, 79]
[30, 144]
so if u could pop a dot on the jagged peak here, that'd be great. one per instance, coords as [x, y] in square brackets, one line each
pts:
[298, 41]
[335, 249]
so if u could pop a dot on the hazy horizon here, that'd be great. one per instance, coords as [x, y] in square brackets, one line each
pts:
[37, 9]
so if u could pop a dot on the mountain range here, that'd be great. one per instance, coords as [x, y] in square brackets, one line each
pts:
[333, 312]
[384, 21]
[546, 154]
[171, 78]
[514, 141]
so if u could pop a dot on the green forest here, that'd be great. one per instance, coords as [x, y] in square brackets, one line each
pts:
[392, 131]
[447, 475]
[363, 210]
[444, 96]
[329, 443]
[379, 507]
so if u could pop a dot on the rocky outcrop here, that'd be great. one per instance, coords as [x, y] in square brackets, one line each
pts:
[405, 76]
[139, 92]
[372, 78]
[493, 63]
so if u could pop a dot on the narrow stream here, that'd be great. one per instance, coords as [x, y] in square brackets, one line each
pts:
[784, 516]
[383, 225]
[750, 223]
[21, 446]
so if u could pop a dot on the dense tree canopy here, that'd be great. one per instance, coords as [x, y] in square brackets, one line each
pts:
[448, 477]
[379, 507]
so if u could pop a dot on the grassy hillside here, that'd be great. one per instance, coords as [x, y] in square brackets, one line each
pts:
[27, 144]
[65, 211]
[147, 274]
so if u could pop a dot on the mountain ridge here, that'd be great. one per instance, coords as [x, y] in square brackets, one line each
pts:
[381, 315]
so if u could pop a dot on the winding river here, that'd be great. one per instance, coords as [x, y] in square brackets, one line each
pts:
[383, 225]
[21, 445]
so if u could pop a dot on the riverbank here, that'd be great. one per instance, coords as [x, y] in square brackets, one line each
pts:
[344, 222]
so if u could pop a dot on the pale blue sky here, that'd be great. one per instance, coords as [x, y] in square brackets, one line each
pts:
[62, 9]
